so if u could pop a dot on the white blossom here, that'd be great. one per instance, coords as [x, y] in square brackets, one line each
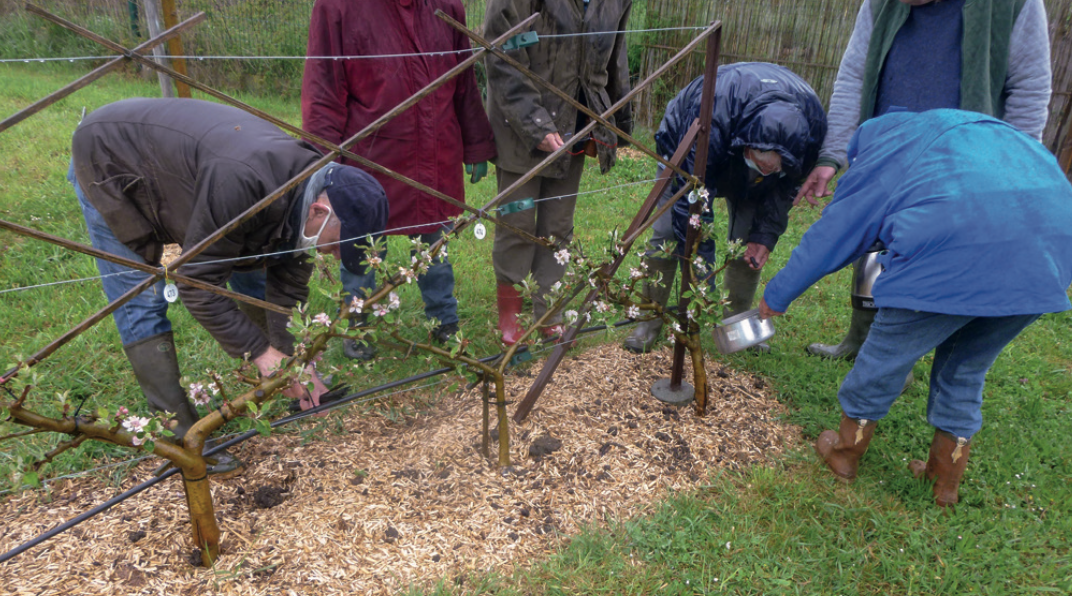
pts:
[374, 260]
[571, 316]
[393, 301]
[562, 257]
[322, 319]
[380, 309]
[635, 273]
[602, 306]
[557, 286]
[357, 305]
[632, 312]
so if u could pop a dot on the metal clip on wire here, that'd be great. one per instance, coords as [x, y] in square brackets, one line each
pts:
[521, 40]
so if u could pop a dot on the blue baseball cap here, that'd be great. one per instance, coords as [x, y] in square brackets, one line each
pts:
[360, 203]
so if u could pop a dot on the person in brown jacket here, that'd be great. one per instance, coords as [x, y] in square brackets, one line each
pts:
[149, 172]
[587, 59]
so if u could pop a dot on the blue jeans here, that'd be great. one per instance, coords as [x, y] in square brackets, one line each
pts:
[437, 285]
[144, 315]
[964, 349]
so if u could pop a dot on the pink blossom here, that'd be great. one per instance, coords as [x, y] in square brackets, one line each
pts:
[322, 319]
[135, 424]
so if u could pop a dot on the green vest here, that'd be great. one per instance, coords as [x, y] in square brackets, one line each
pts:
[984, 52]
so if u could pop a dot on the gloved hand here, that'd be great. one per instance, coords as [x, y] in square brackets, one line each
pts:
[476, 171]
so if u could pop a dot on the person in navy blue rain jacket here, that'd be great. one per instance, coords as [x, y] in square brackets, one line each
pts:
[973, 256]
[767, 128]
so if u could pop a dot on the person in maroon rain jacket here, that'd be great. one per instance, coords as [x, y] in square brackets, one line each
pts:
[388, 50]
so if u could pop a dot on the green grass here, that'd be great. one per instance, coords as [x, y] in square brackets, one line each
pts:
[790, 528]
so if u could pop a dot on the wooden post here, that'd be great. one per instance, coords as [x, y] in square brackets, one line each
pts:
[171, 18]
[152, 16]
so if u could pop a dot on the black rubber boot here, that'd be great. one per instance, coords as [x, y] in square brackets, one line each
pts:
[741, 282]
[357, 349]
[850, 345]
[646, 333]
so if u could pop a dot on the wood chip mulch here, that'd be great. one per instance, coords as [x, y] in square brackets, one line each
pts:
[374, 505]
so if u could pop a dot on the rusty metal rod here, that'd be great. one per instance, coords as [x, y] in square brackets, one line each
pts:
[640, 221]
[551, 157]
[47, 351]
[637, 227]
[96, 73]
[562, 94]
[140, 266]
[683, 149]
[699, 168]
[332, 147]
[241, 218]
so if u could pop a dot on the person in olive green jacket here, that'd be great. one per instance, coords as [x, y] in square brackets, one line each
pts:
[586, 58]
[987, 56]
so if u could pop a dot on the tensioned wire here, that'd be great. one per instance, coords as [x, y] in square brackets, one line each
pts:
[357, 57]
[535, 350]
[391, 231]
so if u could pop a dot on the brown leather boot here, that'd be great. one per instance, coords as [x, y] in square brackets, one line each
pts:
[842, 450]
[945, 466]
[510, 303]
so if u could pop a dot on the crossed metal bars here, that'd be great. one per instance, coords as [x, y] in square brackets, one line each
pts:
[639, 224]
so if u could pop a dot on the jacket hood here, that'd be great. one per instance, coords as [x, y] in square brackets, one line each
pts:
[775, 124]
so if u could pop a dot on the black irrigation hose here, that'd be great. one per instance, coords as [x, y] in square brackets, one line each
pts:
[67, 525]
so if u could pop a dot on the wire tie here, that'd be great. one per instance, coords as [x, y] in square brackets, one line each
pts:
[171, 293]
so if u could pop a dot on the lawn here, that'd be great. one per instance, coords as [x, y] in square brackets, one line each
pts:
[788, 529]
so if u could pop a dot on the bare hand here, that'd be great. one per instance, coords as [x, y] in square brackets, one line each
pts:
[312, 399]
[765, 312]
[816, 186]
[551, 143]
[756, 255]
[269, 361]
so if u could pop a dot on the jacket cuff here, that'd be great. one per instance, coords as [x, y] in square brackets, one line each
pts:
[768, 240]
[828, 161]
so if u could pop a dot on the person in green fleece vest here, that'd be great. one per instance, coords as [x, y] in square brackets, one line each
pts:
[987, 56]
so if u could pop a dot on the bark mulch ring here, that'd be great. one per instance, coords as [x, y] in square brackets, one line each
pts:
[374, 506]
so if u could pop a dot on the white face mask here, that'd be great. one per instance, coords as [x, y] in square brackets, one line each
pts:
[752, 165]
[307, 242]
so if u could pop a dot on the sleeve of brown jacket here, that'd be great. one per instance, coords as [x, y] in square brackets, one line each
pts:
[478, 142]
[324, 85]
[618, 77]
[517, 96]
[222, 196]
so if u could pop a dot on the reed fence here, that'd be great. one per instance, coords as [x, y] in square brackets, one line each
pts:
[807, 37]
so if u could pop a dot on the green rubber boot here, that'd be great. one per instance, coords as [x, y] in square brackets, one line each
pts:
[647, 333]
